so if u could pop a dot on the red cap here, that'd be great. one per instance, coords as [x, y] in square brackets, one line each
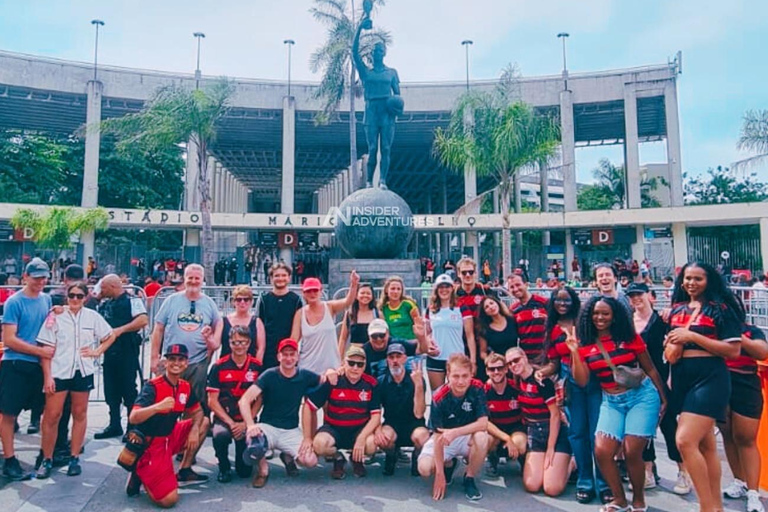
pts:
[311, 284]
[287, 343]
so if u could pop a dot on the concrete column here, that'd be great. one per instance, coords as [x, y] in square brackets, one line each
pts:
[568, 139]
[287, 192]
[673, 145]
[344, 184]
[217, 187]
[680, 242]
[339, 191]
[90, 195]
[544, 197]
[470, 190]
[638, 248]
[211, 169]
[230, 192]
[631, 148]
[569, 253]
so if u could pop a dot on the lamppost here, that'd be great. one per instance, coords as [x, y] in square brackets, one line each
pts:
[199, 36]
[289, 43]
[97, 23]
[564, 36]
[466, 43]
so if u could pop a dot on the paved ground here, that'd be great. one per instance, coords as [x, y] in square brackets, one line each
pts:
[101, 488]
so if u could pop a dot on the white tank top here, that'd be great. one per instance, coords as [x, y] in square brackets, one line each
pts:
[318, 350]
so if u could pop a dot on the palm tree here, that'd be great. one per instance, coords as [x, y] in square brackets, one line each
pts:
[611, 179]
[334, 58]
[176, 115]
[754, 138]
[502, 139]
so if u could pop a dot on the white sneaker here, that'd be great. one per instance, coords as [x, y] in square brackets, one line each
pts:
[683, 484]
[753, 502]
[735, 490]
[650, 480]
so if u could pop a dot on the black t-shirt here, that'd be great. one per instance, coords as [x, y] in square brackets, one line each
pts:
[653, 336]
[277, 311]
[281, 396]
[500, 341]
[397, 399]
[376, 360]
[449, 411]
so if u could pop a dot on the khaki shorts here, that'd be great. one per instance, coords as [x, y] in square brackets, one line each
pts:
[283, 440]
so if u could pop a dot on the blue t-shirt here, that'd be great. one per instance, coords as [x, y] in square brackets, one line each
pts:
[184, 323]
[448, 331]
[28, 315]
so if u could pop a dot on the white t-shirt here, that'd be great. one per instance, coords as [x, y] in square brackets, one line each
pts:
[447, 330]
[69, 333]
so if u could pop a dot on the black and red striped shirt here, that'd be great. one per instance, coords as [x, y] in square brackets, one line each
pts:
[503, 409]
[531, 320]
[534, 398]
[625, 354]
[469, 302]
[745, 363]
[558, 350]
[232, 381]
[349, 405]
[715, 321]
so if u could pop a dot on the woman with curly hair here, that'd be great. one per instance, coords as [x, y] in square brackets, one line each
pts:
[497, 328]
[706, 324]
[400, 311]
[633, 394]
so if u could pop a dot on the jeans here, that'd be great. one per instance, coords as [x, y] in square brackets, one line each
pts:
[635, 412]
[583, 409]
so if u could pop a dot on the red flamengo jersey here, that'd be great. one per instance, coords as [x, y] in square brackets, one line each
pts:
[503, 409]
[531, 320]
[469, 302]
[620, 354]
[349, 405]
[745, 363]
[558, 350]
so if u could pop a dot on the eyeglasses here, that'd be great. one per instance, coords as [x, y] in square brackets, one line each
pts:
[494, 369]
[242, 299]
[564, 301]
[378, 336]
[192, 308]
[467, 272]
[238, 342]
[514, 361]
[78, 296]
[358, 364]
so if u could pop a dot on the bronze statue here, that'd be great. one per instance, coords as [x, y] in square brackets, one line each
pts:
[382, 102]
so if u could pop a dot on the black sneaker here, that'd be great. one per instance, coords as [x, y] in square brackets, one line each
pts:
[224, 476]
[39, 459]
[33, 427]
[74, 468]
[449, 471]
[45, 469]
[493, 464]
[291, 469]
[390, 461]
[470, 489]
[109, 432]
[133, 485]
[61, 456]
[188, 476]
[338, 473]
[415, 462]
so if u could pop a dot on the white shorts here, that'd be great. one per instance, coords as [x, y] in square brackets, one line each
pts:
[458, 448]
[283, 440]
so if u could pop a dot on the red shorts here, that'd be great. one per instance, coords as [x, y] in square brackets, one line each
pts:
[155, 468]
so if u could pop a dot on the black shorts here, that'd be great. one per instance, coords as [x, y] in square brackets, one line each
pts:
[21, 386]
[701, 385]
[746, 395]
[538, 438]
[403, 430]
[435, 365]
[344, 437]
[77, 384]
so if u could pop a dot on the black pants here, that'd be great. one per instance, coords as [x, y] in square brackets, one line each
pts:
[668, 428]
[222, 437]
[120, 385]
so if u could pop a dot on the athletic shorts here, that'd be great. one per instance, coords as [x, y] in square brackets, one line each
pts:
[155, 467]
[458, 448]
[701, 385]
[344, 437]
[283, 440]
[403, 430]
[77, 384]
[746, 395]
[538, 438]
[21, 386]
[435, 365]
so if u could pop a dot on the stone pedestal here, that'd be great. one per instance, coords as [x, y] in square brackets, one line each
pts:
[372, 271]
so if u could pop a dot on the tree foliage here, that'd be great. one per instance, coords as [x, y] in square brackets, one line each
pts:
[609, 190]
[754, 138]
[722, 186]
[55, 228]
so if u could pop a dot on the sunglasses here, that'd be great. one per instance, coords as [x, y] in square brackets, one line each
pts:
[467, 272]
[78, 296]
[238, 342]
[514, 361]
[358, 364]
[378, 336]
[243, 299]
[494, 369]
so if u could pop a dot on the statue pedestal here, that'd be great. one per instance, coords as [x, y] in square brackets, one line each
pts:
[373, 271]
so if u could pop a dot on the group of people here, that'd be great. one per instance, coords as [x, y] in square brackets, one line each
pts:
[567, 389]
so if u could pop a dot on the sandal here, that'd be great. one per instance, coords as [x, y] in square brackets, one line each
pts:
[640, 509]
[259, 481]
[585, 496]
[612, 507]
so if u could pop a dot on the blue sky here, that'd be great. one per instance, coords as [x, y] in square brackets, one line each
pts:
[723, 46]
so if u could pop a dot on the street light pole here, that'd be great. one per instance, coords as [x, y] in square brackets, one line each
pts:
[466, 43]
[564, 36]
[289, 43]
[97, 23]
[199, 36]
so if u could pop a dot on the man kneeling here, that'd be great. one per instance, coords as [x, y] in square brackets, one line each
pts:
[458, 420]
[156, 413]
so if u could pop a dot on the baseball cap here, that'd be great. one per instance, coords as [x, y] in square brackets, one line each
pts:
[256, 449]
[355, 351]
[377, 326]
[311, 284]
[396, 348]
[74, 272]
[177, 349]
[443, 279]
[37, 268]
[287, 343]
[637, 288]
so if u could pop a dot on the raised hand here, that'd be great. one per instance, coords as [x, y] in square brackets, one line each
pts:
[570, 340]
[417, 376]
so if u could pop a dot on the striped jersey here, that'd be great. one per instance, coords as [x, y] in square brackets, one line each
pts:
[469, 302]
[231, 382]
[531, 320]
[535, 398]
[503, 409]
[625, 354]
[558, 350]
[716, 321]
[745, 363]
[349, 405]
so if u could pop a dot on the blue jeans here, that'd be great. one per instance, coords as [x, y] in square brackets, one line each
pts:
[583, 409]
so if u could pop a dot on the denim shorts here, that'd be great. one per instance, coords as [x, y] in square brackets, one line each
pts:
[632, 413]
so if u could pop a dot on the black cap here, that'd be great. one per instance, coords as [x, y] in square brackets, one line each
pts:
[177, 349]
[74, 272]
[637, 288]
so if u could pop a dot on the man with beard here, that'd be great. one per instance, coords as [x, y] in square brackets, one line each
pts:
[276, 310]
[505, 422]
[530, 312]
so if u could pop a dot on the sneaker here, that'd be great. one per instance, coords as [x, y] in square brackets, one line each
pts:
[390, 461]
[188, 476]
[45, 469]
[683, 484]
[650, 480]
[290, 464]
[224, 476]
[39, 459]
[449, 470]
[33, 427]
[358, 469]
[338, 473]
[735, 490]
[61, 456]
[493, 464]
[133, 485]
[753, 502]
[74, 468]
[470, 489]
[109, 432]
[415, 462]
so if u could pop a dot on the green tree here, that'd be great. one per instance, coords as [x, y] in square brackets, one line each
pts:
[609, 191]
[754, 138]
[594, 197]
[176, 115]
[721, 186]
[498, 137]
[334, 58]
[57, 226]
